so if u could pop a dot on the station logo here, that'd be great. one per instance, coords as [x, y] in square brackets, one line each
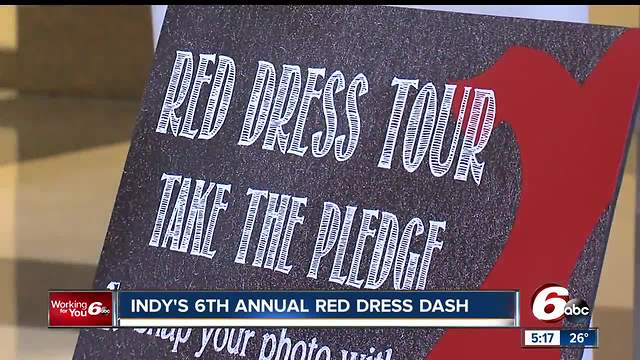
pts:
[80, 308]
[552, 303]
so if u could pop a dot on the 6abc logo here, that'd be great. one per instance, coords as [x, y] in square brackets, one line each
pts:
[96, 308]
[551, 303]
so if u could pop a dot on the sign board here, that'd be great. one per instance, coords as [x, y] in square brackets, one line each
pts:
[368, 148]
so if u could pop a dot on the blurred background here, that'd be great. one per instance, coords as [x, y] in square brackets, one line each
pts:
[71, 79]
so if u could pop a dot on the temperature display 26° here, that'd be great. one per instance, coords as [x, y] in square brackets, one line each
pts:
[587, 338]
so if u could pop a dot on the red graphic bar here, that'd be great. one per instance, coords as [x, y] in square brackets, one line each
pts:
[81, 308]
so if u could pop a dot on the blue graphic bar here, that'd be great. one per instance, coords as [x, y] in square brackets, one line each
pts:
[587, 338]
[318, 308]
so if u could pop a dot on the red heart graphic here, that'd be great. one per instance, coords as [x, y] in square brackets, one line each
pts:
[572, 140]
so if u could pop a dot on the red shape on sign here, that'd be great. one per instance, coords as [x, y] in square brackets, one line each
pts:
[572, 140]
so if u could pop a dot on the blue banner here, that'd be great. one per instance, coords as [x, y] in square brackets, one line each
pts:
[319, 308]
[579, 338]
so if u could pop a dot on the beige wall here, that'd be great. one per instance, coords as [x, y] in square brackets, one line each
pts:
[618, 15]
[76, 50]
[8, 28]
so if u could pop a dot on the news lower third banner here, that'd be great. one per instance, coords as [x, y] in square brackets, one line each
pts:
[482, 308]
